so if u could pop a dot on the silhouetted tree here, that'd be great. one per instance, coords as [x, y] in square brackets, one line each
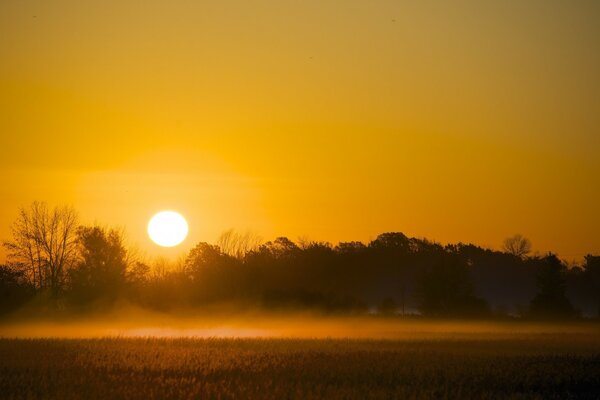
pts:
[44, 245]
[517, 245]
[281, 247]
[445, 289]
[392, 240]
[138, 273]
[592, 275]
[551, 300]
[506, 282]
[394, 260]
[203, 256]
[214, 275]
[101, 267]
[138, 278]
[15, 289]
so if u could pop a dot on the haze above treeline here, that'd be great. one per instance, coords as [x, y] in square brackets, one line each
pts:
[57, 264]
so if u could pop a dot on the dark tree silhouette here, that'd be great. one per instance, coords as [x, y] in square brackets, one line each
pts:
[551, 300]
[214, 275]
[201, 257]
[15, 290]
[394, 255]
[392, 240]
[281, 247]
[592, 275]
[506, 282]
[445, 289]
[100, 271]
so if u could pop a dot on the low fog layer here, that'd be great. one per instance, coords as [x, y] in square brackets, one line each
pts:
[134, 322]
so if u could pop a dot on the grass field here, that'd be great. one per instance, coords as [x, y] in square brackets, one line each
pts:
[534, 365]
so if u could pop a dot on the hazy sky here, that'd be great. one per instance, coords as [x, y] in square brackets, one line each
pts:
[337, 120]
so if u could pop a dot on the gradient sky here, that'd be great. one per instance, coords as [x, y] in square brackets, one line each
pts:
[335, 120]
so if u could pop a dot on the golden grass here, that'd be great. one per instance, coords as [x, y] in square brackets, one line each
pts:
[479, 365]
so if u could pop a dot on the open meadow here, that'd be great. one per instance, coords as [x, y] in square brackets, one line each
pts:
[451, 361]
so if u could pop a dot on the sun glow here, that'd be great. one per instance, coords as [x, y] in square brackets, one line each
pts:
[167, 228]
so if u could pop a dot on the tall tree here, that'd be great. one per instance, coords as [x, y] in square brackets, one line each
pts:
[445, 289]
[214, 275]
[100, 271]
[44, 244]
[592, 274]
[551, 300]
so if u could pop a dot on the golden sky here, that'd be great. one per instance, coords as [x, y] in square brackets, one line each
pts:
[335, 120]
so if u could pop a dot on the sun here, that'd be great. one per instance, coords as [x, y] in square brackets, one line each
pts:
[167, 228]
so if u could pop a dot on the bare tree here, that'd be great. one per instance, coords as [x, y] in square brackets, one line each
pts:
[517, 245]
[237, 244]
[44, 244]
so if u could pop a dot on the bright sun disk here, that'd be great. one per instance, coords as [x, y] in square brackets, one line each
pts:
[167, 228]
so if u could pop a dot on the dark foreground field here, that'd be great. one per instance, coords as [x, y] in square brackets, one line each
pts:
[528, 366]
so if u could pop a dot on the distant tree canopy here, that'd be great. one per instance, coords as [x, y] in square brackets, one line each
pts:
[51, 254]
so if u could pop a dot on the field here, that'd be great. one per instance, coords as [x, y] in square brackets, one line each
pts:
[482, 365]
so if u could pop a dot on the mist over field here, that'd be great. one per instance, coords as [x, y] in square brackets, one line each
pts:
[136, 355]
[227, 322]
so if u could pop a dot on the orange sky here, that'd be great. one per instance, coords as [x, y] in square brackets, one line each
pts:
[457, 121]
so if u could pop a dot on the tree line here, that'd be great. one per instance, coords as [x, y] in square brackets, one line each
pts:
[53, 261]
